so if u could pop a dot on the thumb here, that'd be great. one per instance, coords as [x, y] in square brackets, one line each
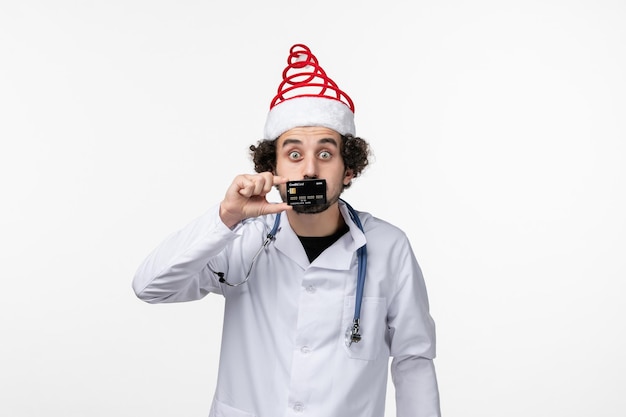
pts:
[274, 208]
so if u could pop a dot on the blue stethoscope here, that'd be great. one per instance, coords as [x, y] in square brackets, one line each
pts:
[353, 334]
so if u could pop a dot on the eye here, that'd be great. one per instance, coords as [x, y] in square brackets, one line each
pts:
[325, 155]
[294, 155]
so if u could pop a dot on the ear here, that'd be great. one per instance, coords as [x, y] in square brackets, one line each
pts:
[348, 176]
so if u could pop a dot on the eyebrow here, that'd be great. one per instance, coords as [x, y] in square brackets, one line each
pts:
[299, 142]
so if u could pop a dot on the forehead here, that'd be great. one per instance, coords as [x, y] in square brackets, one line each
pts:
[308, 134]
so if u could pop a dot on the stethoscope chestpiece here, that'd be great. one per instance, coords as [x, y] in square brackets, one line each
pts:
[352, 333]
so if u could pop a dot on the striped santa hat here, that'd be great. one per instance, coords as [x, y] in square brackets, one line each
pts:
[308, 97]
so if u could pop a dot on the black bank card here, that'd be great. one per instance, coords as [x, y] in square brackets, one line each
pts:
[306, 192]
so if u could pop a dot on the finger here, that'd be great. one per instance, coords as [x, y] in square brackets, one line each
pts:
[268, 182]
[256, 184]
[245, 185]
[275, 208]
[263, 183]
[277, 180]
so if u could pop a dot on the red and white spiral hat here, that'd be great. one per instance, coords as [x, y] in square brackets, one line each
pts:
[308, 97]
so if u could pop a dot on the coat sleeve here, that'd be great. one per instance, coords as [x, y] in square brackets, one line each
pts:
[177, 270]
[412, 333]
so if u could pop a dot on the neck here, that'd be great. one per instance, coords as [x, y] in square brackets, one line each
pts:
[319, 224]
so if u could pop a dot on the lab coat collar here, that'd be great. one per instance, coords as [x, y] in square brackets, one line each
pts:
[340, 257]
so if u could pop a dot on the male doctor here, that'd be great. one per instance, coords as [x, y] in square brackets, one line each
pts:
[317, 295]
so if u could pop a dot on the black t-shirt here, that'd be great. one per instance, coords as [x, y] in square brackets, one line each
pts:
[313, 246]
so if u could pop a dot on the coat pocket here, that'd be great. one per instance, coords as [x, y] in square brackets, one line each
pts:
[219, 409]
[373, 324]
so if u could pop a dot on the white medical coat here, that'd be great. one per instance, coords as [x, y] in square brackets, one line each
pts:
[283, 343]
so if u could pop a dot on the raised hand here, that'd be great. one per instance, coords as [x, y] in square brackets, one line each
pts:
[246, 197]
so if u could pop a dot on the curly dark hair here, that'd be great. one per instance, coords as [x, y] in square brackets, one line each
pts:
[354, 151]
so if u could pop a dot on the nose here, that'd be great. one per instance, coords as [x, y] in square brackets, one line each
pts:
[310, 168]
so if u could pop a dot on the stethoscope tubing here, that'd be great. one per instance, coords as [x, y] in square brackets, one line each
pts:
[353, 334]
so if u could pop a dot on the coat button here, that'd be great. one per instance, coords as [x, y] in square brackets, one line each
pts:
[311, 289]
[305, 350]
[298, 407]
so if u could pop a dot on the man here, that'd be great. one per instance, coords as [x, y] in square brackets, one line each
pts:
[317, 295]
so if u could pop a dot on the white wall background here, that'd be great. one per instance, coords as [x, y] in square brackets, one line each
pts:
[499, 136]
